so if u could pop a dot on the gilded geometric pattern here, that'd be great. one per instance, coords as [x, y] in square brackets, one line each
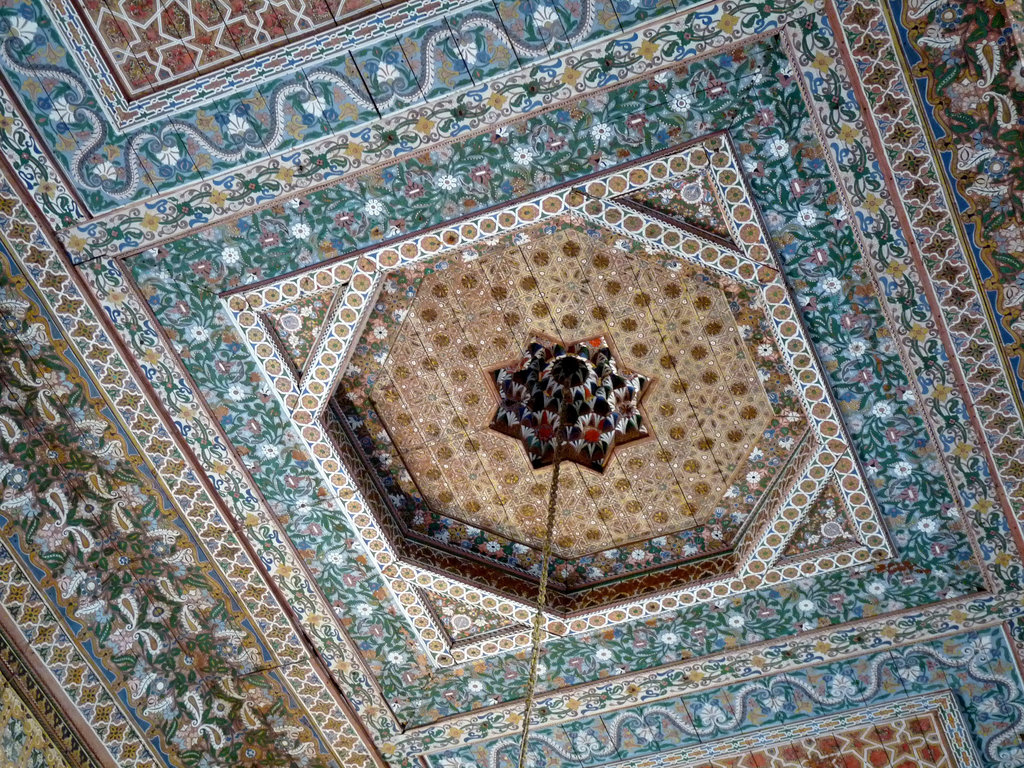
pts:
[152, 44]
[691, 201]
[914, 743]
[463, 621]
[297, 325]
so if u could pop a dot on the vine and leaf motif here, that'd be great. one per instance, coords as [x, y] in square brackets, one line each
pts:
[80, 507]
[972, 667]
[110, 168]
[232, 131]
[966, 54]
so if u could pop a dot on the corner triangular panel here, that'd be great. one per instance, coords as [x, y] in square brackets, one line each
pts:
[298, 324]
[826, 526]
[463, 622]
[690, 200]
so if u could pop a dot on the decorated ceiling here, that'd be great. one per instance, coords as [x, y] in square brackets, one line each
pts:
[548, 383]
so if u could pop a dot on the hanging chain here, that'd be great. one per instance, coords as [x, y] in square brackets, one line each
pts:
[542, 590]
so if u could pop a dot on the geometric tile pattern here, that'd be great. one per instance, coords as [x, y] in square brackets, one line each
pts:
[691, 201]
[932, 739]
[23, 742]
[913, 743]
[155, 44]
[825, 525]
[44, 723]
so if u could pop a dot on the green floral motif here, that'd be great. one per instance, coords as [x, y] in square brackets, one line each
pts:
[976, 667]
[911, 314]
[84, 512]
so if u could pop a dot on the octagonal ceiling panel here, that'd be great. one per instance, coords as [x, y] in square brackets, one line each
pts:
[742, 466]
[440, 328]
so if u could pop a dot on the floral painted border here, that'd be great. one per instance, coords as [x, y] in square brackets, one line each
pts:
[943, 707]
[739, 718]
[449, 53]
[18, 670]
[49, 637]
[124, 114]
[445, 117]
[49, 279]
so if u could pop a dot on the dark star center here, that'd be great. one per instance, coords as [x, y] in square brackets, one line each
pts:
[579, 383]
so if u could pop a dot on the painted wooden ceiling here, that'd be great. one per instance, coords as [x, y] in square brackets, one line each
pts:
[282, 287]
